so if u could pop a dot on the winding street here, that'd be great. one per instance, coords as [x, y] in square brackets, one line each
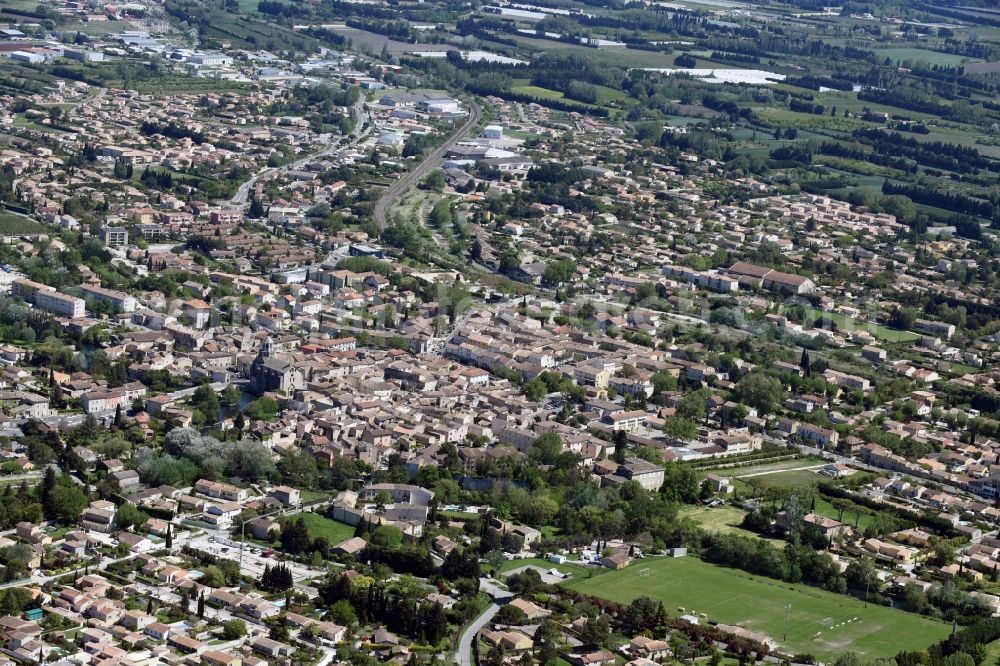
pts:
[380, 213]
[464, 655]
[500, 596]
[357, 135]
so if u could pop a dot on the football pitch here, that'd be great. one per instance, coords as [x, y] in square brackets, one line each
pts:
[820, 623]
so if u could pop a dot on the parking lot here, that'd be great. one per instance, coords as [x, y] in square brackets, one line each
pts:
[253, 563]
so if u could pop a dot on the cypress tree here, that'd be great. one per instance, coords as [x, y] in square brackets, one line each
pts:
[46, 492]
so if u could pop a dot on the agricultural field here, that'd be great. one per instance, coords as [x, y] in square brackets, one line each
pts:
[249, 6]
[605, 95]
[820, 623]
[371, 42]
[12, 225]
[900, 55]
[102, 28]
[536, 91]
[618, 57]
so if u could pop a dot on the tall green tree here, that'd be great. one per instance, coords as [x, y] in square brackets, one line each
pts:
[45, 492]
[295, 536]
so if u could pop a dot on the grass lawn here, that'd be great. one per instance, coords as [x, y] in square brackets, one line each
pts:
[24, 122]
[717, 519]
[783, 474]
[824, 508]
[992, 652]
[319, 526]
[962, 369]
[571, 569]
[59, 533]
[313, 496]
[605, 95]
[28, 5]
[857, 179]
[787, 479]
[725, 519]
[845, 324]
[459, 515]
[537, 91]
[821, 623]
[550, 531]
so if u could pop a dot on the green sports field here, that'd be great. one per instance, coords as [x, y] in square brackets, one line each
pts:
[821, 623]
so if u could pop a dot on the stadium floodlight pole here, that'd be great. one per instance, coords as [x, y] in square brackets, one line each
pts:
[784, 636]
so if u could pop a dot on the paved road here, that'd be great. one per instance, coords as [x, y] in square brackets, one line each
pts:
[221, 544]
[357, 134]
[101, 92]
[464, 655]
[413, 176]
[252, 563]
[500, 596]
[810, 468]
[27, 476]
